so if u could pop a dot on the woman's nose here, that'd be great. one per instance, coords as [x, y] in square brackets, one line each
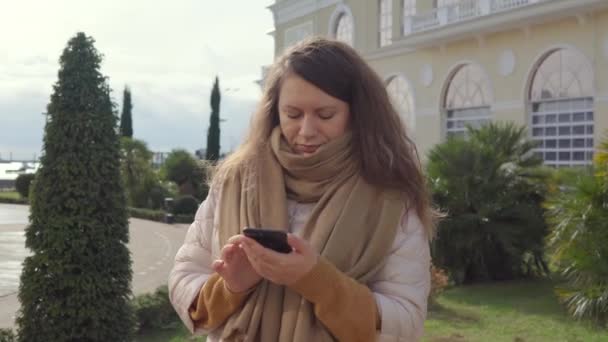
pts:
[308, 127]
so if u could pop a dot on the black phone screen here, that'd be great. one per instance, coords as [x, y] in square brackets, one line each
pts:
[273, 239]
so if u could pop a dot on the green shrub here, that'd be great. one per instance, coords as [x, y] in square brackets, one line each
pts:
[185, 205]
[578, 214]
[154, 311]
[22, 184]
[9, 200]
[76, 284]
[7, 335]
[184, 218]
[143, 188]
[491, 187]
[156, 196]
[187, 173]
[147, 214]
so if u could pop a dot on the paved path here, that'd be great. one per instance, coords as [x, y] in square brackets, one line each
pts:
[153, 246]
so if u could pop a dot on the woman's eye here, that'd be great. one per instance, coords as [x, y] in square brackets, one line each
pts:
[293, 115]
[326, 116]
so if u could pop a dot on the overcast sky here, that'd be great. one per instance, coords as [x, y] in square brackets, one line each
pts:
[168, 52]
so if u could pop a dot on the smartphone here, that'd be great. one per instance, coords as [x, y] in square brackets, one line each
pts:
[273, 239]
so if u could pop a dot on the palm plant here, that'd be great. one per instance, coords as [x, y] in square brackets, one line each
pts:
[491, 186]
[578, 214]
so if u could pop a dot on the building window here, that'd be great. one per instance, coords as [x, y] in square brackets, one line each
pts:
[344, 28]
[297, 33]
[400, 94]
[447, 3]
[409, 8]
[561, 109]
[386, 22]
[467, 100]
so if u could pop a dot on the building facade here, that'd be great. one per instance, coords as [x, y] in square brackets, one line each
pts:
[449, 63]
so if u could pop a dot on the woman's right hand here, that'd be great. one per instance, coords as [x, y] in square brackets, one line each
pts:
[235, 268]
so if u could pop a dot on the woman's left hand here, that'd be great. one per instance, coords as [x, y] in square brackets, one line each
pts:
[281, 268]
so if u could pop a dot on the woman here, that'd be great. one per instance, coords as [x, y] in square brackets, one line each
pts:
[327, 159]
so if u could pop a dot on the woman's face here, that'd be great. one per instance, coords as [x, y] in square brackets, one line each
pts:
[308, 116]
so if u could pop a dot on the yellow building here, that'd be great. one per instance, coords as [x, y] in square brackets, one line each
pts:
[447, 63]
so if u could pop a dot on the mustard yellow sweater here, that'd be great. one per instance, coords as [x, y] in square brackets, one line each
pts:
[347, 308]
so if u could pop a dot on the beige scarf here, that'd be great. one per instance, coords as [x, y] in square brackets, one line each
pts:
[353, 225]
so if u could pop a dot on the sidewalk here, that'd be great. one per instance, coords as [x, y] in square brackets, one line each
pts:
[153, 246]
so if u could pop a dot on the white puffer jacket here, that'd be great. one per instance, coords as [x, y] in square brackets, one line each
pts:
[401, 288]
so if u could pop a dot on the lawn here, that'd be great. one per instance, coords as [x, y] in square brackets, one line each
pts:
[179, 334]
[524, 311]
[10, 194]
[512, 311]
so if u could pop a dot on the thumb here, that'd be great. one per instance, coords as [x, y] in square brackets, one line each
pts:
[299, 244]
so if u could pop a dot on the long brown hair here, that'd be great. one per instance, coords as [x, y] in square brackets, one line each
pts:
[387, 155]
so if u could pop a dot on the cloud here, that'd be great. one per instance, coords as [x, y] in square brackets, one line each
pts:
[168, 53]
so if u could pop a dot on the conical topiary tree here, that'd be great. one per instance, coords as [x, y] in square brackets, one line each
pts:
[76, 284]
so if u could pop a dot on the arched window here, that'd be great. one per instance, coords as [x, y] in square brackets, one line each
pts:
[385, 21]
[344, 28]
[467, 100]
[401, 97]
[561, 108]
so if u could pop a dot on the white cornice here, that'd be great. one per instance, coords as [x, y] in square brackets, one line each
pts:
[388, 51]
[288, 10]
[519, 17]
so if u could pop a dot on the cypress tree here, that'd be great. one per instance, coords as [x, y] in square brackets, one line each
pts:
[76, 285]
[126, 119]
[213, 134]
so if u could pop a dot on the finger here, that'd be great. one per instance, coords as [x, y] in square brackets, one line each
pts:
[256, 255]
[218, 266]
[236, 239]
[255, 264]
[227, 252]
[262, 253]
[267, 263]
[300, 245]
[239, 253]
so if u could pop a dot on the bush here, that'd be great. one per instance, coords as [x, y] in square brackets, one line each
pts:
[156, 196]
[22, 184]
[147, 214]
[143, 188]
[578, 213]
[492, 188]
[9, 200]
[184, 218]
[158, 215]
[154, 311]
[7, 335]
[439, 281]
[76, 283]
[185, 205]
[187, 173]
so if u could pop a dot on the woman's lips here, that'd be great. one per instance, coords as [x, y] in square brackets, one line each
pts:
[306, 148]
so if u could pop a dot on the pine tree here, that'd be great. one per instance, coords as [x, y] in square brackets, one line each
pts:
[76, 285]
[126, 119]
[213, 134]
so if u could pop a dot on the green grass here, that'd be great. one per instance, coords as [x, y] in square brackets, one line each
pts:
[510, 311]
[178, 334]
[524, 311]
[10, 194]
